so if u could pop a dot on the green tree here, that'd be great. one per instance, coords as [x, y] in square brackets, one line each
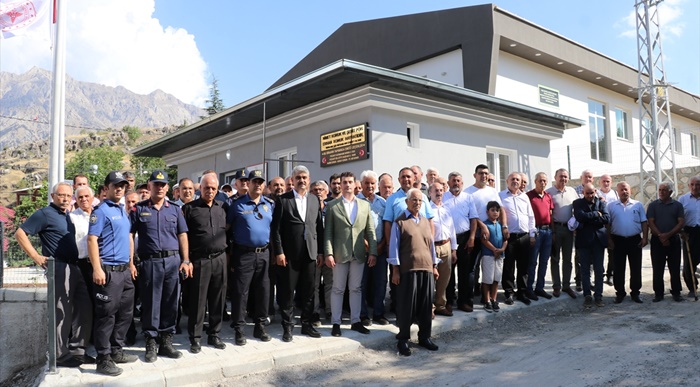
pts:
[133, 133]
[15, 255]
[214, 104]
[106, 160]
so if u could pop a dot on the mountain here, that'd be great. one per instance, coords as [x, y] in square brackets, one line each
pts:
[25, 107]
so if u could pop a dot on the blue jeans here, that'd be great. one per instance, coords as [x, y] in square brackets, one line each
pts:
[592, 255]
[542, 249]
[380, 280]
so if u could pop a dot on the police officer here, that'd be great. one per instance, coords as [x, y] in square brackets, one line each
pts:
[163, 250]
[249, 218]
[111, 252]
[206, 223]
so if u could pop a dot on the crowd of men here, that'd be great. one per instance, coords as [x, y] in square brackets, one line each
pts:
[332, 247]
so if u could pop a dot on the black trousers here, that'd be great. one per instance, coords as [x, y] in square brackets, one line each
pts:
[114, 308]
[414, 302]
[250, 269]
[688, 269]
[462, 255]
[661, 254]
[466, 273]
[298, 276]
[627, 248]
[206, 290]
[517, 256]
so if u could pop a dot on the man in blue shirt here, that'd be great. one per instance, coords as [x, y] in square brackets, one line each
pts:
[111, 254]
[250, 217]
[163, 250]
[57, 234]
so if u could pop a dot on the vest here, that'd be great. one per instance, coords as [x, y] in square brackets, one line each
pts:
[414, 245]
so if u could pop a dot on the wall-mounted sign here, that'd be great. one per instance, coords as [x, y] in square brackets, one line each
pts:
[344, 145]
[548, 96]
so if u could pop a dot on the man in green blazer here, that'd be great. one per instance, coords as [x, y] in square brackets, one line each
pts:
[349, 232]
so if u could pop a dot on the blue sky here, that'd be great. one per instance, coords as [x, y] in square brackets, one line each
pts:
[177, 45]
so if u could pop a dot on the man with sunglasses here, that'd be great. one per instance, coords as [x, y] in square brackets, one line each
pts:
[249, 218]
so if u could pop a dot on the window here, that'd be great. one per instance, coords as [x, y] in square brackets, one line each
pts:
[676, 140]
[498, 162]
[621, 124]
[596, 127]
[286, 161]
[646, 129]
[694, 144]
[412, 135]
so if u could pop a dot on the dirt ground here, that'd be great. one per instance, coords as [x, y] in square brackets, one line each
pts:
[553, 344]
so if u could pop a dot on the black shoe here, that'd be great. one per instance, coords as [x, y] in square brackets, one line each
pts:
[531, 295]
[259, 333]
[335, 331]
[521, 297]
[543, 294]
[106, 366]
[195, 347]
[381, 320]
[166, 347]
[608, 281]
[240, 338]
[495, 307]
[365, 321]
[120, 357]
[637, 299]
[70, 362]
[287, 335]
[85, 359]
[588, 302]
[657, 298]
[151, 350]
[570, 292]
[509, 300]
[316, 320]
[599, 302]
[428, 344]
[359, 327]
[579, 288]
[403, 348]
[619, 298]
[215, 341]
[678, 298]
[309, 330]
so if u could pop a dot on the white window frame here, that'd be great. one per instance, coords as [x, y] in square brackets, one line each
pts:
[627, 133]
[497, 169]
[676, 140]
[694, 150]
[284, 154]
[606, 130]
[412, 135]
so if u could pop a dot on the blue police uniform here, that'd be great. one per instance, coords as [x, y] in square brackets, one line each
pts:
[114, 301]
[159, 251]
[250, 223]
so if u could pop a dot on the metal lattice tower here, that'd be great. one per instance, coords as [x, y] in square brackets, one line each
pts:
[656, 141]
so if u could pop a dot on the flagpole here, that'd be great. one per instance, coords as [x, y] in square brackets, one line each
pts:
[58, 114]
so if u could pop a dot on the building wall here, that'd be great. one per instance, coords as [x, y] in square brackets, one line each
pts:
[518, 81]
[446, 68]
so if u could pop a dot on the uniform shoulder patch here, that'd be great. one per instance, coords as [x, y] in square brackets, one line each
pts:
[93, 218]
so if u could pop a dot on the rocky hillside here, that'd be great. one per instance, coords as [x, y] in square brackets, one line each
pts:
[25, 108]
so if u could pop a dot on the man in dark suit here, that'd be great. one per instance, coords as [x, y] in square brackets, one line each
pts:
[591, 241]
[297, 242]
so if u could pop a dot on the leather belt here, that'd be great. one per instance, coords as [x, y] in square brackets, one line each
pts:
[624, 237]
[544, 227]
[160, 254]
[247, 249]
[517, 234]
[119, 268]
[207, 256]
[440, 243]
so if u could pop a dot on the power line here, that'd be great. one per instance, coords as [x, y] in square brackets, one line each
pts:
[36, 121]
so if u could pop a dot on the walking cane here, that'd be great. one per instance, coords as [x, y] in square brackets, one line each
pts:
[692, 268]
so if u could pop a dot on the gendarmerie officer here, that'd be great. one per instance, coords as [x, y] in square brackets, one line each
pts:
[163, 250]
[206, 235]
[249, 218]
[111, 253]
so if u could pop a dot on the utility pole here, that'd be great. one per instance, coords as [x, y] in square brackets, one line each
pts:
[657, 161]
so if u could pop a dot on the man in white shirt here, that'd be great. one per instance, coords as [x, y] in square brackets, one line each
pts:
[608, 195]
[445, 240]
[691, 206]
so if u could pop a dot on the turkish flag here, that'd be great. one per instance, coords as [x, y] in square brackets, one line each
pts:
[24, 17]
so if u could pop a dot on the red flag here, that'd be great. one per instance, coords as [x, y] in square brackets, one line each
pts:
[23, 17]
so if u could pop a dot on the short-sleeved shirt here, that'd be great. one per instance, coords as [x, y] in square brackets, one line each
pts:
[462, 209]
[665, 215]
[626, 218]
[110, 223]
[378, 206]
[691, 205]
[482, 196]
[158, 229]
[563, 203]
[250, 222]
[56, 231]
[396, 205]
[206, 227]
[495, 237]
[541, 207]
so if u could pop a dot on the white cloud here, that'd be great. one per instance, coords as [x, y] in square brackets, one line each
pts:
[119, 43]
[670, 11]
